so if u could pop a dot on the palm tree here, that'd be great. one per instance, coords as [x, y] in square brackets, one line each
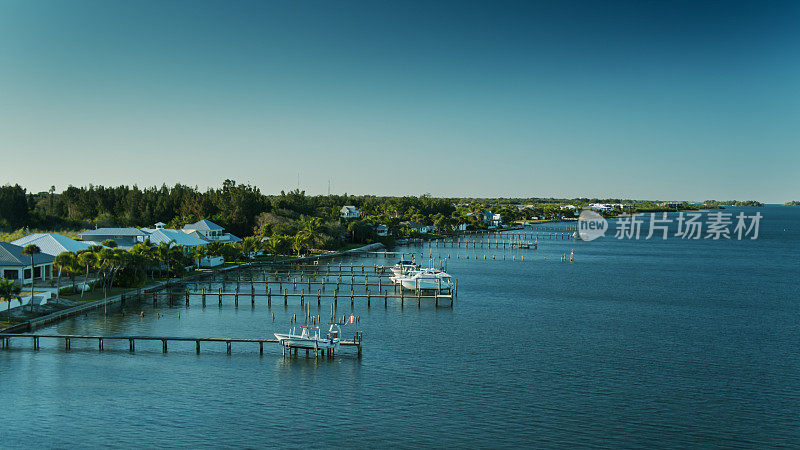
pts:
[198, 253]
[301, 241]
[8, 291]
[64, 261]
[87, 259]
[146, 251]
[31, 249]
[162, 252]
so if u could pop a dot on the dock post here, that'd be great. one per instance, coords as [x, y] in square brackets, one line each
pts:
[197, 346]
[269, 297]
[302, 296]
[385, 298]
[36, 343]
[131, 345]
[99, 344]
[229, 346]
[187, 297]
[285, 297]
[319, 297]
[66, 344]
[369, 297]
[204, 297]
[163, 346]
[220, 296]
[261, 347]
[236, 297]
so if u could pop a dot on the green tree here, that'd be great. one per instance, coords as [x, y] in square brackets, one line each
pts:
[66, 262]
[87, 259]
[9, 291]
[31, 250]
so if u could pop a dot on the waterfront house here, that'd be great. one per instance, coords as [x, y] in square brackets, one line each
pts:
[600, 207]
[16, 267]
[124, 237]
[491, 219]
[418, 227]
[382, 230]
[208, 230]
[349, 212]
[54, 244]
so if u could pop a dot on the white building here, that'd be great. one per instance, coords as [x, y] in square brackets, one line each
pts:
[208, 230]
[349, 212]
[600, 207]
[16, 267]
[382, 230]
[491, 219]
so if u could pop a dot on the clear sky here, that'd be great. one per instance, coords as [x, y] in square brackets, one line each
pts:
[641, 99]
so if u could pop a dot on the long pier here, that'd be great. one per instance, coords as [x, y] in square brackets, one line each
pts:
[5, 341]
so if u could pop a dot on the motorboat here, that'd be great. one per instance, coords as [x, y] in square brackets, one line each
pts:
[425, 280]
[403, 267]
[309, 337]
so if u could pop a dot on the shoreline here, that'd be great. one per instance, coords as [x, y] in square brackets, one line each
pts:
[47, 319]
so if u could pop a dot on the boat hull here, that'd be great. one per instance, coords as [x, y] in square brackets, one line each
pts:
[298, 342]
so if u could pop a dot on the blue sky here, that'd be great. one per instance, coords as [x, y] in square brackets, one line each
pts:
[641, 99]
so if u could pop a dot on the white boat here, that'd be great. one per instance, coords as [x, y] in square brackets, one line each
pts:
[425, 280]
[404, 267]
[309, 337]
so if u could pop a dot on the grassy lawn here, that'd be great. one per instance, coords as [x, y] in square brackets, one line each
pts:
[96, 295]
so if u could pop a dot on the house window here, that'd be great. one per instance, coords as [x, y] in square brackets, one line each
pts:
[11, 274]
[37, 272]
[27, 274]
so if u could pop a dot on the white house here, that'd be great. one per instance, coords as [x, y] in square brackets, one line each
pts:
[208, 230]
[460, 227]
[53, 244]
[600, 207]
[382, 230]
[349, 212]
[16, 267]
[491, 219]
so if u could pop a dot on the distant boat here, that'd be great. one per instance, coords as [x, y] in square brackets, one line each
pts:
[425, 280]
[309, 338]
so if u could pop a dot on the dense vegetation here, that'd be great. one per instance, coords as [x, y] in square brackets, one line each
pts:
[733, 203]
[244, 211]
[793, 203]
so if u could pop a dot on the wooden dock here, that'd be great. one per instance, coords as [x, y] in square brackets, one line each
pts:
[418, 295]
[5, 341]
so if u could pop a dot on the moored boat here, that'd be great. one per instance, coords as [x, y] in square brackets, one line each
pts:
[404, 267]
[309, 337]
[425, 280]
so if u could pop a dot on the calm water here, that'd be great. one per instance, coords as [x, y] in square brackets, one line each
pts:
[658, 343]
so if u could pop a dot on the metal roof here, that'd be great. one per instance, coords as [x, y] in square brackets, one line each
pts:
[11, 255]
[53, 243]
[204, 225]
[176, 236]
[114, 232]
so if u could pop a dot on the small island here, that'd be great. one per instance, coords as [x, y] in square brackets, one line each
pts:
[793, 203]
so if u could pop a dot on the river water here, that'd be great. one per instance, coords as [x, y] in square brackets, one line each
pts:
[636, 343]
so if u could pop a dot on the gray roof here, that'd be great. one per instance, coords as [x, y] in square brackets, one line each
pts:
[118, 232]
[11, 255]
[53, 243]
[177, 237]
[204, 225]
